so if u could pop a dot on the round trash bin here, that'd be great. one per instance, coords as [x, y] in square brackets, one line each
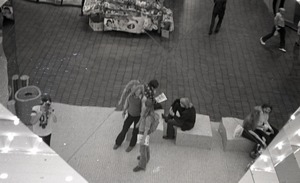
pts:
[26, 98]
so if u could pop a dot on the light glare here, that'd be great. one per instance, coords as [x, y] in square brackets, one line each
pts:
[68, 178]
[10, 136]
[3, 176]
[5, 149]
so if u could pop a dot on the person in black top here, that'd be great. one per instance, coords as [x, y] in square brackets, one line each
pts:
[219, 10]
[181, 114]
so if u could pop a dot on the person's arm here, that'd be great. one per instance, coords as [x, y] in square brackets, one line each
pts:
[125, 107]
[35, 115]
[276, 19]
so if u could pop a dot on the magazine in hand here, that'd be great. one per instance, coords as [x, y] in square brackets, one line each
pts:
[161, 98]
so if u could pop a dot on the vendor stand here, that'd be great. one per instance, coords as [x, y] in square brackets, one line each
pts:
[133, 16]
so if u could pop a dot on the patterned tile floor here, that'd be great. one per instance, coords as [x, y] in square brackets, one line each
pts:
[225, 74]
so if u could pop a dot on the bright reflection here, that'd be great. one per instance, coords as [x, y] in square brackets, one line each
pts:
[16, 120]
[33, 150]
[5, 149]
[293, 117]
[279, 145]
[252, 167]
[68, 178]
[264, 158]
[297, 132]
[11, 136]
[268, 169]
[3, 176]
[39, 139]
[280, 158]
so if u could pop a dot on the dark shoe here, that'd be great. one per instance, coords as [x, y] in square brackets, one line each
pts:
[297, 44]
[129, 148]
[137, 168]
[138, 158]
[217, 30]
[167, 137]
[210, 32]
[116, 146]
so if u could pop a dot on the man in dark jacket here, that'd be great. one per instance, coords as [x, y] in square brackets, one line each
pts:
[219, 10]
[181, 114]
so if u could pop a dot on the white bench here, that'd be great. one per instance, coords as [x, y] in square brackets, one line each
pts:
[231, 143]
[199, 136]
[159, 132]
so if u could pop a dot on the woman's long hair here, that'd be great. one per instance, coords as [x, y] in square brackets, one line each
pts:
[251, 121]
[132, 92]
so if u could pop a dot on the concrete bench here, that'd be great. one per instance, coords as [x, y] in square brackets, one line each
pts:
[200, 136]
[158, 134]
[231, 143]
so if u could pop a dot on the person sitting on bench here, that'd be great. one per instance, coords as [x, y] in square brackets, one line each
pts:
[181, 114]
[257, 128]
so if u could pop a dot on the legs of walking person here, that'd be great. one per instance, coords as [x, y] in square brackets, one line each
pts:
[127, 123]
[212, 23]
[148, 153]
[82, 4]
[268, 36]
[220, 15]
[135, 132]
[282, 37]
[143, 158]
[47, 139]
[298, 41]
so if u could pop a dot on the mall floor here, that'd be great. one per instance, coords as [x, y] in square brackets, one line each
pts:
[224, 74]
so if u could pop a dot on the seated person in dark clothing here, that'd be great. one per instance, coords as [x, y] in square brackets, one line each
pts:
[181, 114]
[257, 128]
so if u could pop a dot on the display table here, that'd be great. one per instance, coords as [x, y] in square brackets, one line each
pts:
[133, 16]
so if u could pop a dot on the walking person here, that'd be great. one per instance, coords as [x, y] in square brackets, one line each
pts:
[298, 42]
[219, 10]
[42, 118]
[279, 28]
[132, 106]
[147, 125]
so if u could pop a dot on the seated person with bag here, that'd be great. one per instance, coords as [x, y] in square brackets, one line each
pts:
[181, 114]
[257, 128]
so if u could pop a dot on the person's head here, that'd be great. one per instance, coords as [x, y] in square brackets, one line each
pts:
[185, 103]
[137, 90]
[46, 99]
[6, 10]
[282, 10]
[266, 108]
[108, 23]
[153, 84]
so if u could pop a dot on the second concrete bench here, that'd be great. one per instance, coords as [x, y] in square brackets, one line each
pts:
[231, 143]
[200, 136]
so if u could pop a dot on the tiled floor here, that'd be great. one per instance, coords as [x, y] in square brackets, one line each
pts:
[224, 74]
[84, 137]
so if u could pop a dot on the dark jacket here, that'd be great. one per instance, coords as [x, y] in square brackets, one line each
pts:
[187, 115]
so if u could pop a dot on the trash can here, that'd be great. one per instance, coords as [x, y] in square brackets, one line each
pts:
[26, 98]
